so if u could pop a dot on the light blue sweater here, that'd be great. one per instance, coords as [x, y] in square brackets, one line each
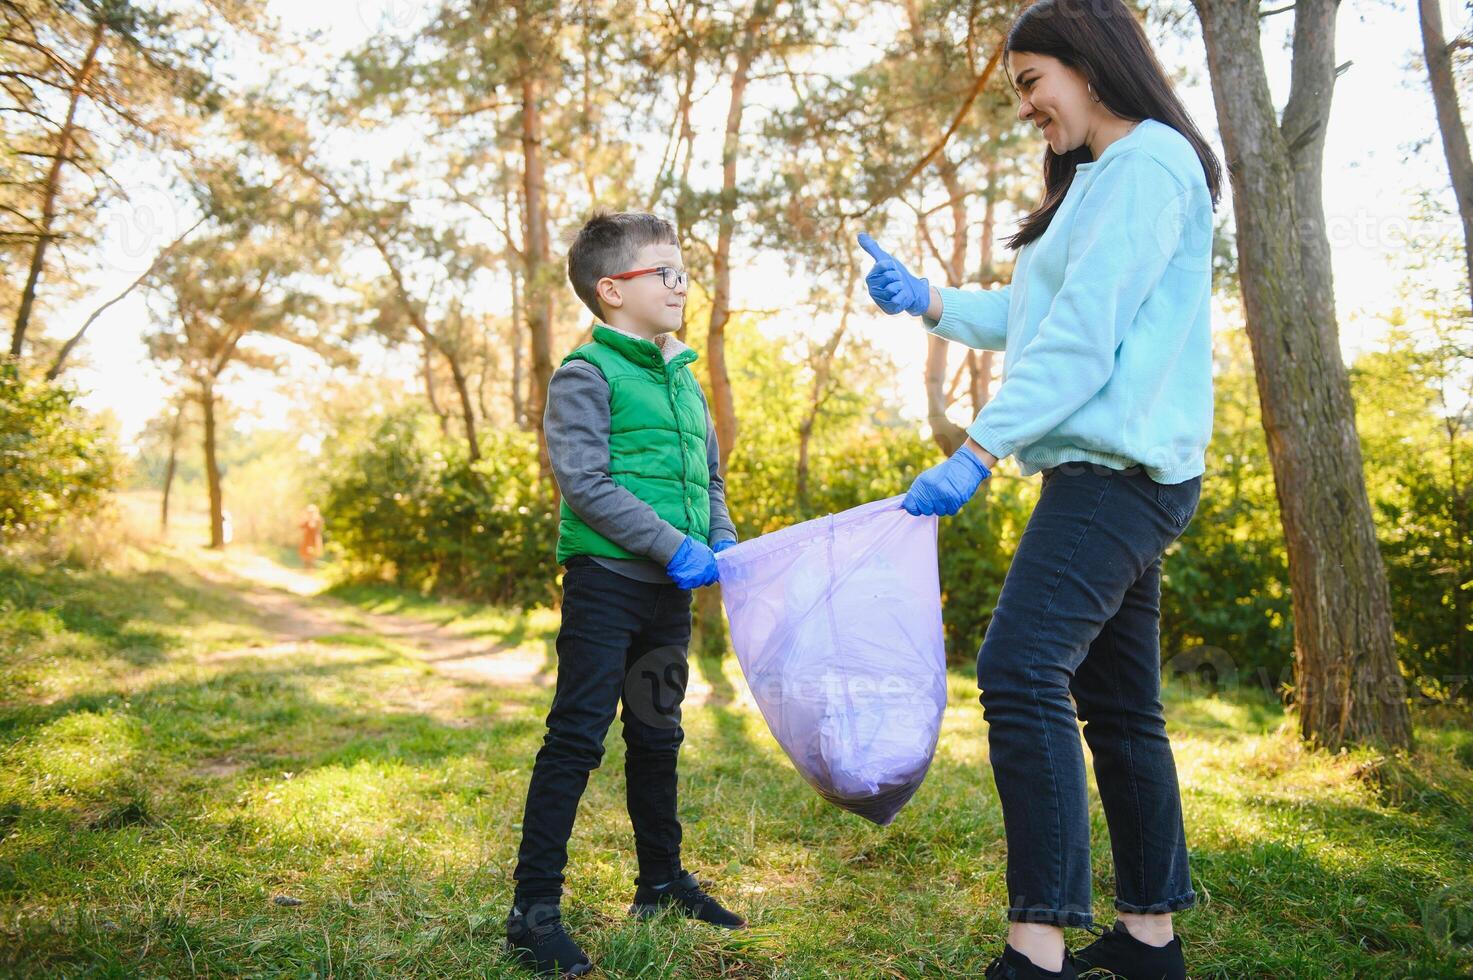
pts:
[1106, 326]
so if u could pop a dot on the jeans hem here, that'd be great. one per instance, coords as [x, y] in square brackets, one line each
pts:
[1183, 901]
[520, 897]
[1052, 917]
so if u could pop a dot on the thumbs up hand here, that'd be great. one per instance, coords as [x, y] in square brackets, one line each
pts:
[891, 285]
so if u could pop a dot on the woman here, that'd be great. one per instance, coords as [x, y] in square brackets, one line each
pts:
[309, 549]
[1107, 390]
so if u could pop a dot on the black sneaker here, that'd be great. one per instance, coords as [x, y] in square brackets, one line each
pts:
[1127, 957]
[535, 936]
[1013, 965]
[685, 894]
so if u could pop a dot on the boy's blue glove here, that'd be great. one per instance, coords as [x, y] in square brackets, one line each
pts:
[693, 566]
[941, 490]
[723, 544]
[891, 285]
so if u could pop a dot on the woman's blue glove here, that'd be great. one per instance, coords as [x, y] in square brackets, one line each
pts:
[891, 285]
[693, 566]
[723, 544]
[941, 490]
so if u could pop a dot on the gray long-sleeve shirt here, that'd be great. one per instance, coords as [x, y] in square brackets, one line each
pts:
[577, 426]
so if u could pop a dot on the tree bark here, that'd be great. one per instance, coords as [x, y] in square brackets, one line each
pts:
[537, 280]
[947, 434]
[1449, 121]
[175, 428]
[723, 405]
[515, 260]
[53, 189]
[212, 467]
[432, 395]
[467, 407]
[1348, 686]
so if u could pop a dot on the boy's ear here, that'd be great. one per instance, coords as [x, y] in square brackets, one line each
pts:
[607, 291]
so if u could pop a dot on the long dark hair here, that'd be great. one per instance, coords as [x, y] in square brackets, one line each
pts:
[1101, 40]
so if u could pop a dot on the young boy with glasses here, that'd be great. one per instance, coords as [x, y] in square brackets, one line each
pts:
[643, 513]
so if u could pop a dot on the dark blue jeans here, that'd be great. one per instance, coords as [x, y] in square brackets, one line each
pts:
[621, 641]
[1079, 614]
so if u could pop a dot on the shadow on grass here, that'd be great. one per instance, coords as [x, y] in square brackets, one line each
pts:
[137, 619]
[319, 779]
[387, 800]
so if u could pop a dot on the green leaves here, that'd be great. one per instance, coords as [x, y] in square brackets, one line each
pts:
[57, 461]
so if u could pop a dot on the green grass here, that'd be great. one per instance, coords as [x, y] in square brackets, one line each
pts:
[167, 771]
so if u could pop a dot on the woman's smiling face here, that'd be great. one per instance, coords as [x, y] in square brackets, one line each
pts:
[1053, 97]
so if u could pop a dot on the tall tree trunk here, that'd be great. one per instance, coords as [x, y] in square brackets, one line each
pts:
[514, 270]
[1449, 121]
[518, 371]
[212, 467]
[683, 196]
[52, 188]
[1458, 498]
[467, 409]
[723, 405]
[432, 394]
[175, 428]
[947, 434]
[1348, 686]
[537, 262]
[490, 365]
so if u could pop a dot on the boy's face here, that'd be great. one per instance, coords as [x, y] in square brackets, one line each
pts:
[644, 304]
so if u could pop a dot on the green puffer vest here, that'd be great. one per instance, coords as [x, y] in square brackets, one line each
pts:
[657, 440]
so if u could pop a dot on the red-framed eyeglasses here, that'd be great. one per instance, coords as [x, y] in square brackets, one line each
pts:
[672, 278]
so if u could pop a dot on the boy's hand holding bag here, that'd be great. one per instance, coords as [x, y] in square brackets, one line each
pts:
[693, 566]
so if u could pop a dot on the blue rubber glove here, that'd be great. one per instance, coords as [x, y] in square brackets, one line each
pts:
[891, 285]
[723, 544]
[941, 490]
[693, 566]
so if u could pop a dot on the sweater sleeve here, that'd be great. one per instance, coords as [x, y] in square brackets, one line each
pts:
[975, 317]
[577, 426]
[722, 527]
[1124, 234]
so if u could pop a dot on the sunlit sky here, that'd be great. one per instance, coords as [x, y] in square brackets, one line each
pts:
[1373, 174]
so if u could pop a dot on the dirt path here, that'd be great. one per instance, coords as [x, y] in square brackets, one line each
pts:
[290, 606]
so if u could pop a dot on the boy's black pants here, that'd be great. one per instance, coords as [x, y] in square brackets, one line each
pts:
[621, 641]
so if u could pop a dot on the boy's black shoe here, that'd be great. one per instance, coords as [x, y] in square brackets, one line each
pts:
[1130, 959]
[1013, 965]
[685, 894]
[535, 936]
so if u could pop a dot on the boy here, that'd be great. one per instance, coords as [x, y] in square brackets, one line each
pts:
[634, 452]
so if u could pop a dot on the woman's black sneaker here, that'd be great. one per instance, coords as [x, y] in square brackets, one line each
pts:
[1013, 965]
[535, 936]
[1130, 959]
[684, 894]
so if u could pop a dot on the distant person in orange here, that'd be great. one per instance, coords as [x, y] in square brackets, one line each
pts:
[311, 546]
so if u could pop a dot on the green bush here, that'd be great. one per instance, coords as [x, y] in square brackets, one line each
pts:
[403, 504]
[975, 548]
[57, 462]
